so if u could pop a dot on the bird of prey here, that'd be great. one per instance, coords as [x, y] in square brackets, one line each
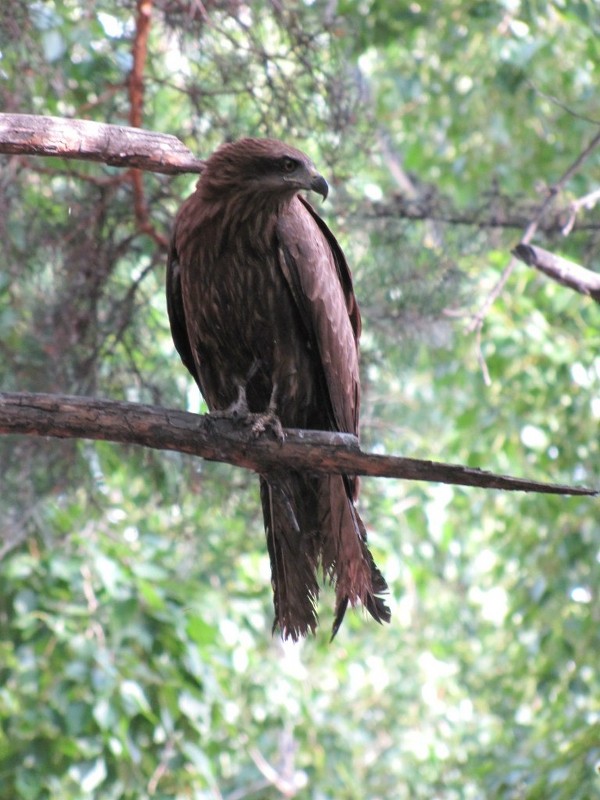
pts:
[263, 315]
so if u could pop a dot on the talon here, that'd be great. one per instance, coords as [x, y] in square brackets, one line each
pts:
[269, 421]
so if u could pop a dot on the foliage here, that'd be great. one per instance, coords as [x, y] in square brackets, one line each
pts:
[136, 654]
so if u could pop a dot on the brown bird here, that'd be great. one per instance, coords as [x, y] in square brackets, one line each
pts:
[263, 315]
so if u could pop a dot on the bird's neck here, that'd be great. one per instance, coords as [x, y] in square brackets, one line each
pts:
[252, 217]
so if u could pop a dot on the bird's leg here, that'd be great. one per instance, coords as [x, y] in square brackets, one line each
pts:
[239, 408]
[269, 419]
[236, 410]
[259, 422]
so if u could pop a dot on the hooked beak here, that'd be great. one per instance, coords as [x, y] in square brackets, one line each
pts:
[319, 185]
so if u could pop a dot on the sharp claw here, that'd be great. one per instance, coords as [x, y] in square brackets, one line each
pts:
[261, 423]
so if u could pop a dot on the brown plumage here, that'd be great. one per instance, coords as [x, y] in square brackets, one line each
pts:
[263, 315]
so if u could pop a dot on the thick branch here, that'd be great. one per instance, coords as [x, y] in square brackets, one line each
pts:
[568, 273]
[115, 145]
[222, 440]
[121, 146]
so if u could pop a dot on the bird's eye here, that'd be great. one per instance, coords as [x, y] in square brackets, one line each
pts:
[288, 164]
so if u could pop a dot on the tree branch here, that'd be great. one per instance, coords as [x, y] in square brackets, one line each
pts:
[493, 211]
[568, 273]
[115, 145]
[121, 146]
[222, 440]
[532, 228]
[588, 201]
[136, 88]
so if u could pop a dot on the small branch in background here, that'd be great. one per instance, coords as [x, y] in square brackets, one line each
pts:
[143, 22]
[495, 210]
[270, 773]
[15, 533]
[83, 140]
[477, 321]
[248, 790]
[487, 379]
[95, 629]
[140, 51]
[284, 778]
[325, 452]
[71, 172]
[162, 767]
[568, 273]
[571, 170]
[588, 201]
[394, 164]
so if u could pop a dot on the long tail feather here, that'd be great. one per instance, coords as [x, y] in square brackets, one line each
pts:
[310, 520]
[345, 555]
[290, 526]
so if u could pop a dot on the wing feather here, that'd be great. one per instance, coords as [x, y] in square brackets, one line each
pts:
[176, 312]
[320, 282]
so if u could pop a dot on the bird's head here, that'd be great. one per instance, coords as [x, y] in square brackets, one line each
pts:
[261, 167]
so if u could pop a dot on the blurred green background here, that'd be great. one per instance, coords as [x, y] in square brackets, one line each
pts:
[136, 658]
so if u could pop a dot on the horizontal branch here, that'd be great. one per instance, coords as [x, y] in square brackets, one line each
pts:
[495, 211]
[122, 146]
[568, 273]
[115, 145]
[223, 440]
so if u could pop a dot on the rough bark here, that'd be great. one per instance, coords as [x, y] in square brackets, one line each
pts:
[224, 440]
[115, 145]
